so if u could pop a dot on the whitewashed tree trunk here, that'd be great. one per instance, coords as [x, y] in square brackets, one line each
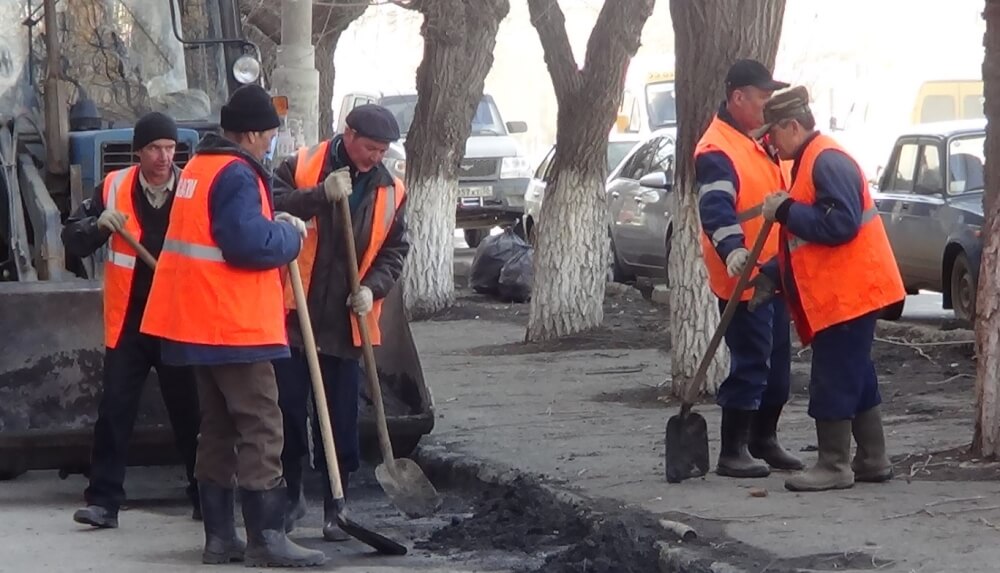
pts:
[459, 37]
[694, 311]
[710, 35]
[430, 284]
[571, 257]
[986, 440]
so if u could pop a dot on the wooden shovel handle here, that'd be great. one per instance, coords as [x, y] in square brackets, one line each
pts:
[144, 254]
[691, 391]
[374, 388]
[316, 377]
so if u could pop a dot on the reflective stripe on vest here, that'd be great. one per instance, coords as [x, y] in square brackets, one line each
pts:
[119, 264]
[758, 175]
[196, 296]
[308, 171]
[834, 284]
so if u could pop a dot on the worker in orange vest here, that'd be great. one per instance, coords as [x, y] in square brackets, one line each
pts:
[837, 271]
[216, 301]
[309, 185]
[734, 173]
[137, 199]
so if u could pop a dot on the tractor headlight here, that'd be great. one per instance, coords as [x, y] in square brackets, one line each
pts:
[246, 69]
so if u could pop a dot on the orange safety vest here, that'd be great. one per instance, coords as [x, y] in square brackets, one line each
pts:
[837, 284]
[308, 170]
[758, 176]
[196, 296]
[120, 264]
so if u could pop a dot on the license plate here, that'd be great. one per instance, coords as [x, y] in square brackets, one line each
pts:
[482, 191]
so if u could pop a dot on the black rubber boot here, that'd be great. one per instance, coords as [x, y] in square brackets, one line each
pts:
[97, 516]
[195, 497]
[222, 544]
[734, 457]
[296, 495]
[764, 441]
[332, 531]
[267, 543]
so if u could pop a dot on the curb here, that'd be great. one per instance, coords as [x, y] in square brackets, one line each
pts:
[451, 469]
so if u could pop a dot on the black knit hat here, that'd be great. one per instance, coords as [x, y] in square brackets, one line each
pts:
[249, 109]
[153, 126]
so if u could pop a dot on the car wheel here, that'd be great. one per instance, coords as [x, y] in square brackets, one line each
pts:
[616, 271]
[893, 311]
[529, 231]
[963, 290]
[474, 236]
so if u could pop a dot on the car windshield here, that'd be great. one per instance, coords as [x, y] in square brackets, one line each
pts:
[486, 120]
[617, 150]
[661, 105]
[966, 156]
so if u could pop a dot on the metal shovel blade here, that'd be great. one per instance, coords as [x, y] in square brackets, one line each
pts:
[686, 447]
[408, 488]
[369, 537]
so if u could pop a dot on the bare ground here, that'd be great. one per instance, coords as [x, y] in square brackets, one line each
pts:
[923, 372]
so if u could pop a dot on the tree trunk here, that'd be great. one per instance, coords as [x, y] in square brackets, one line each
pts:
[986, 439]
[710, 35]
[262, 25]
[459, 37]
[572, 235]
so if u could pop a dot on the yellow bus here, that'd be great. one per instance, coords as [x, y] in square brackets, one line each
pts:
[948, 100]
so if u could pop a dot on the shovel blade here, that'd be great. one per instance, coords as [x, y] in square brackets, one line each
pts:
[686, 447]
[408, 488]
[376, 541]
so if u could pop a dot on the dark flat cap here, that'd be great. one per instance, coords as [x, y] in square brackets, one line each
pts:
[374, 122]
[789, 104]
[752, 73]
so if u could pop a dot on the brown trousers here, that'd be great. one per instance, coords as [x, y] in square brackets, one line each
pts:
[241, 430]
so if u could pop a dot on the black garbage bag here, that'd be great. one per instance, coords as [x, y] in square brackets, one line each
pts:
[491, 256]
[517, 276]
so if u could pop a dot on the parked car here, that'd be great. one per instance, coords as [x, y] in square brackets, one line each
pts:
[493, 174]
[640, 225]
[619, 145]
[930, 197]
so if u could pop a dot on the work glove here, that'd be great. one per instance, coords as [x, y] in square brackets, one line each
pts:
[296, 223]
[361, 303]
[112, 221]
[763, 291]
[337, 185]
[772, 202]
[737, 261]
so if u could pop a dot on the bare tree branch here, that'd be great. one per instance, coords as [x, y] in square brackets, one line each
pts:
[549, 21]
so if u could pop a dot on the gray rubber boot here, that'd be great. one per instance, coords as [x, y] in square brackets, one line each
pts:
[267, 543]
[871, 464]
[833, 468]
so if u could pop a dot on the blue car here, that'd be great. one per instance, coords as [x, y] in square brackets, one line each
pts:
[930, 197]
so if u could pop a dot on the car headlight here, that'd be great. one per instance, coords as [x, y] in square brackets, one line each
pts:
[398, 165]
[514, 168]
[246, 69]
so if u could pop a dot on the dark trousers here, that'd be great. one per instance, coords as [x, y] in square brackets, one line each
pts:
[126, 368]
[241, 427]
[843, 382]
[760, 357]
[341, 379]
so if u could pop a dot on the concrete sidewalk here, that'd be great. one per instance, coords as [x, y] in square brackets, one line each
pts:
[538, 413]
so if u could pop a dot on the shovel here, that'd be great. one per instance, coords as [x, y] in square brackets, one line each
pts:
[402, 479]
[144, 254]
[686, 444]
[379, 542]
